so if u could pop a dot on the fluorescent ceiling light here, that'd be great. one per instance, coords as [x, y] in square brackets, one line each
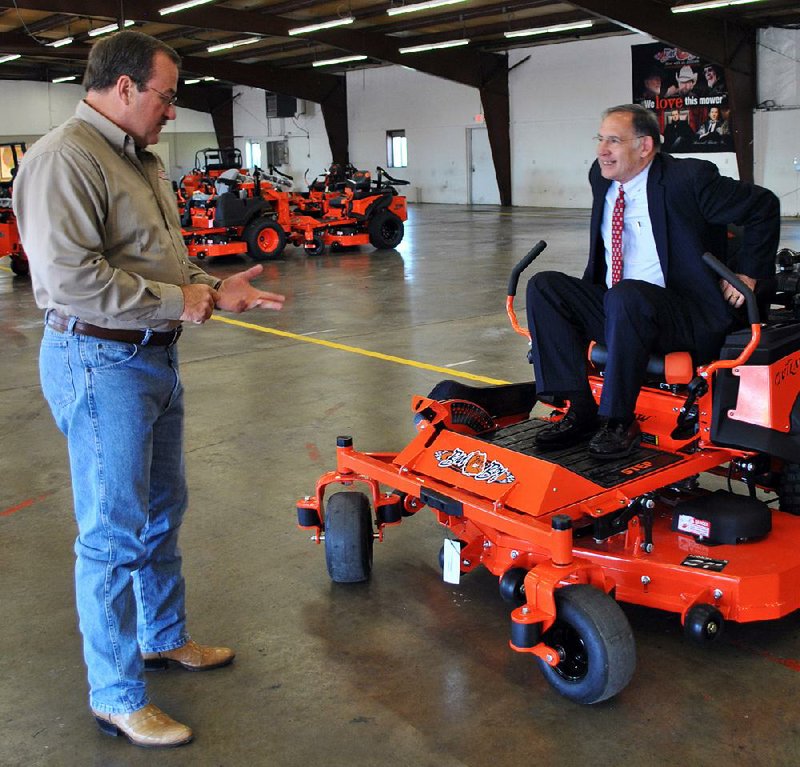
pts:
[434, 46]
[711, 4]
[183, 6]
[196, 80]
[10, 57]
[235, 44]
[341, 60]
[547, 30]
[109, 28]
[420, 6]
[65, 79]
[322, 25]
[61, 42]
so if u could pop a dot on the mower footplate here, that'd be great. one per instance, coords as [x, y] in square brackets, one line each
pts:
[521, 438]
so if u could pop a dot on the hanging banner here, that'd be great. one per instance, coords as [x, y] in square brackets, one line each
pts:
[688, 95]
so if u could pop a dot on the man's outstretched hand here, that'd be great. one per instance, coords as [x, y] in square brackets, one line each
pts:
[236, 294]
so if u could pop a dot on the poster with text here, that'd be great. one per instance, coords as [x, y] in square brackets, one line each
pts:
[687, 94]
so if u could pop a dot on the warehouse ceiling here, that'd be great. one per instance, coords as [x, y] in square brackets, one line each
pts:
[279, 59]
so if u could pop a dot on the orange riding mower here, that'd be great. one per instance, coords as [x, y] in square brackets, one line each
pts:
[569, 536]
[10, 245]
[353, 212]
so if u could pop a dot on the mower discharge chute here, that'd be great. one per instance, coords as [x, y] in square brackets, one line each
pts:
[566, 535]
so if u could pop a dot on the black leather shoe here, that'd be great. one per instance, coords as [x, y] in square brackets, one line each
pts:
[615, 440]
[569, 430]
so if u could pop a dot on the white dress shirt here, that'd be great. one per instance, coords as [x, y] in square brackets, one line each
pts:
[639, 254]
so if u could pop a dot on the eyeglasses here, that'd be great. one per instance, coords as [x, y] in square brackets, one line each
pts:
[169, 101]
[613, 140]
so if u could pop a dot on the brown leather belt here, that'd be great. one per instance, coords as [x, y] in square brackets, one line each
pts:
[62, 324]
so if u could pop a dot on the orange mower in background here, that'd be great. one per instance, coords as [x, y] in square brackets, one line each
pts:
[10, 245]
[225, 210]
[568, 536]
[356, 211]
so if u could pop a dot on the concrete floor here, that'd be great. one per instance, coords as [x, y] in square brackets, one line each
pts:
[405, 670]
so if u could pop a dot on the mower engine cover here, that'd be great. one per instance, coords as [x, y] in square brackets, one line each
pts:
[722, 518]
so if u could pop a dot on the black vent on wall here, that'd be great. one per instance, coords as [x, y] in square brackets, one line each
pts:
[279, 105]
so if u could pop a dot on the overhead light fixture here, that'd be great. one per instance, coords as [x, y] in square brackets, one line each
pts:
[109, 28]
[10, 57]
[548, 30]
[183, 6]
[322, 25]
[196, 80]
[65, 79]
[420, 6]
[434, 46]
[234, 44]
[340, 60]
[59, 43]
[709, 5]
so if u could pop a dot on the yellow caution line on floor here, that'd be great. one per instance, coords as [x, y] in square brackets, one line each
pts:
[355, 350]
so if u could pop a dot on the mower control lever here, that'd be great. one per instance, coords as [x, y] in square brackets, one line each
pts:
[524, 263]
[750, 298]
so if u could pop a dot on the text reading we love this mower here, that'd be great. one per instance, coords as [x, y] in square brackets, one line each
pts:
[569, 536]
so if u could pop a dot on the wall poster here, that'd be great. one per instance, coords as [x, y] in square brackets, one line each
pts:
[688, 95]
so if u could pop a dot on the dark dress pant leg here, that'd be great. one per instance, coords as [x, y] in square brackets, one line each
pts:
[564, 314]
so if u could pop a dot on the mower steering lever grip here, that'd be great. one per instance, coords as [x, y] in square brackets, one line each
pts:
[523, 264]
[749, 297]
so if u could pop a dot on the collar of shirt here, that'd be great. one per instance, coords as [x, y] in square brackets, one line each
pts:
[110, 131]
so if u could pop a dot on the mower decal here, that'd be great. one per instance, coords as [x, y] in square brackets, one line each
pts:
[694, 526]
[475, 464]
[705, 563]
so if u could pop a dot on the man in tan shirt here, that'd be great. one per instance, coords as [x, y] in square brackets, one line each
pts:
[99, 223]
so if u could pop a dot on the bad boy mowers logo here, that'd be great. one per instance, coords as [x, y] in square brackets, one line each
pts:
[475, 464]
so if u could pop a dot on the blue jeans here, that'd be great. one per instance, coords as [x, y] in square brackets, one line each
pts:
[120, 407]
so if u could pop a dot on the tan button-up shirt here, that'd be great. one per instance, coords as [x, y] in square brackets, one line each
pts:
[99, 223]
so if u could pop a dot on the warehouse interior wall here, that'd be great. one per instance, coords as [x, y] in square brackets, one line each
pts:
[38, 107]
[556, 96]
[557, 93]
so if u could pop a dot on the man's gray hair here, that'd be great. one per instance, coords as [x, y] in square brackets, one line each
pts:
[645, 122]
[128, 53]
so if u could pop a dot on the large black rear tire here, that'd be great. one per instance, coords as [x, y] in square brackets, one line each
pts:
[348, 537]
[789, 488]
[385, 230]
[595, 642]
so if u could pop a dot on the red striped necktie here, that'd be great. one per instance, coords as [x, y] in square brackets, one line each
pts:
[617, 218]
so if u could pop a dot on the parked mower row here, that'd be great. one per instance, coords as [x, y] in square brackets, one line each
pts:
[225, 210]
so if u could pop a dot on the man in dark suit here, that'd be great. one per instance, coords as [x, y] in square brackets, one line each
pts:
[645, 288]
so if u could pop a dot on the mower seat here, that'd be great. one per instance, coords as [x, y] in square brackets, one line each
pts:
[232, 210]
[673, 368]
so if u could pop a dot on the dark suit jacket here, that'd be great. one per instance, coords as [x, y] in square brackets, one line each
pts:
[690, 206]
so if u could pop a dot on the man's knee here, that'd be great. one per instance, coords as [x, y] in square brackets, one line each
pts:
[631, 297]
[547, 284]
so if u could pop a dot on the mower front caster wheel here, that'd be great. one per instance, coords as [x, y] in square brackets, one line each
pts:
[348, 537]
[512, 586]
[703, 624]
[595, 645]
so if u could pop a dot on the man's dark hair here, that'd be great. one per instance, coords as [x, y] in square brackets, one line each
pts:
[124, 53]
[645, 122]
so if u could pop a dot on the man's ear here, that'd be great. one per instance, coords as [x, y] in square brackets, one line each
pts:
[123, 88]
